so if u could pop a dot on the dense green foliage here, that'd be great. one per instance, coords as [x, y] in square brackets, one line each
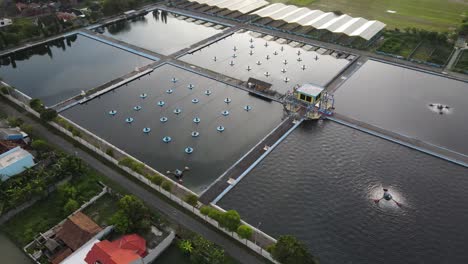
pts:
[132, 216]
[288, 250]
[134, 165]
[156, 179]
[48, 114]
[202, 251]
[51, 210]
[230, 220]
[191, 199]
[417, 44]
[34, 181]
[245, 231]
[167, 185]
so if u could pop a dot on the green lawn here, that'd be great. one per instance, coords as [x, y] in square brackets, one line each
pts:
[437, 15]
[102, 210]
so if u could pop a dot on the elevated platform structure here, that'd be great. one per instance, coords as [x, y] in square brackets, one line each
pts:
[309, 101]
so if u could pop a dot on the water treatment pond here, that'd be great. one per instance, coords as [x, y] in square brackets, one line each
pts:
[213, 151]
[245, 54]
[319, 183]
[61, 69]
[160, 32]
[398, 99]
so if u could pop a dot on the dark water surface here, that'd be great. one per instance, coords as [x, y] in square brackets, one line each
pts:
[213, 151]
[64, 68]
[397, 99]
[319, 184]
[160, 32]
[318, 71]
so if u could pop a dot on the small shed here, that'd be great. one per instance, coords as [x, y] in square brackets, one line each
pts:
[309, 93]
[10, 134]
[15, 161]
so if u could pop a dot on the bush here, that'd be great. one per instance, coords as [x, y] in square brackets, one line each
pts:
[48, 115]
[71, 206]
[37, 105]
[157, 179]
[230, 220]
[288, 250]
[191, 199]
[110, 152]
[167, 185]
[5, 90]
[132, 164]
[132, 215]
[15, 122]
[244, 231]
[40, 145]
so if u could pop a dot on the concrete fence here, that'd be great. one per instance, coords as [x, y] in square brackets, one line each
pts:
[155, 252]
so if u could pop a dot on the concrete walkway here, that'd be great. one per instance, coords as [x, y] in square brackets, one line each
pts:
[176, 215]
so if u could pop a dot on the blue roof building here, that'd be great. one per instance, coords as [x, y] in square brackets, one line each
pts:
[15, 161]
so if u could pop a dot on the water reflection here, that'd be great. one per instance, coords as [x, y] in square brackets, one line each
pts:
[159, 31]
[62, 43]
[64, 67]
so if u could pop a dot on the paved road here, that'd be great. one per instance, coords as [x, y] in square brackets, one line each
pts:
[174, 214]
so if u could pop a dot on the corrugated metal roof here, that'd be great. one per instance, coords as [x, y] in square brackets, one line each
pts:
[344, 24]
[369, 29]
[269, 10]
[253, 6]
[243, 6]
[299, 13]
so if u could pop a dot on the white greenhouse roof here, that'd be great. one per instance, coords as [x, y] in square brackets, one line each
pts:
[344, 24]
[243, 6]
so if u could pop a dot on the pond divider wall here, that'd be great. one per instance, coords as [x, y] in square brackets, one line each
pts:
[259, 159]
[116, 45]
[427, 148]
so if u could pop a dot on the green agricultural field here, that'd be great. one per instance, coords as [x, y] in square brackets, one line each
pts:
[436, 15]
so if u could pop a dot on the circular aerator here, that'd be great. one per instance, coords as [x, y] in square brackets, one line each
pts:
[188, 150]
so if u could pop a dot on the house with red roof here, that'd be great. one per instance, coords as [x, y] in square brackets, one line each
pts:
[126, 250]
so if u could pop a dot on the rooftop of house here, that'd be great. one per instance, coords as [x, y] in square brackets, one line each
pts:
[122, 251]
[77, 230]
